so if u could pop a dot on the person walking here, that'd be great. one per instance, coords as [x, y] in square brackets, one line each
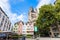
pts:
[23, 38]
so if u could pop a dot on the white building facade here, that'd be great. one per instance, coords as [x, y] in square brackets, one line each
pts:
[30, 29]
[5, 24]
[15, 28]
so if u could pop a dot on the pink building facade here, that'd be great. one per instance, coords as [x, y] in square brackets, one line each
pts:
[20, 25]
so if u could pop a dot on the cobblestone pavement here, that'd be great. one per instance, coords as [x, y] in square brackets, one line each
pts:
[29, 39]
[42, 39]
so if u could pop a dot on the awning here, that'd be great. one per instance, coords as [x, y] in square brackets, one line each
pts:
[2, 35]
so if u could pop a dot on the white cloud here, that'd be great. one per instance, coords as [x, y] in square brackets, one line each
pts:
[43, 2]
[12, 16]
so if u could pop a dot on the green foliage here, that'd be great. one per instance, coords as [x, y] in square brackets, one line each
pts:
[57, 10]
[48, 15]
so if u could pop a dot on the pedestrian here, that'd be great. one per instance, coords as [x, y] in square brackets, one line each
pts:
[23, 38]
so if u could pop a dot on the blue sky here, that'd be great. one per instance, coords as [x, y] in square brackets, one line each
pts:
[21, 7]
[18, 9]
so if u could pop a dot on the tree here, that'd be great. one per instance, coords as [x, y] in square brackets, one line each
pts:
[45, 18]
[57, 9]
[48, 15]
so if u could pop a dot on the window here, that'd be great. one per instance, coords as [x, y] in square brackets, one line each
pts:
[28, 31]
[56, 34]
[24, 32]
[8, 22]
[9, 26]
[3, 18]
[5, 21]
[33, 15]
[0, 14]
[1, 24]
[2, 21]
[4, 27]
